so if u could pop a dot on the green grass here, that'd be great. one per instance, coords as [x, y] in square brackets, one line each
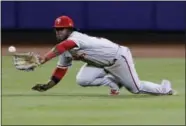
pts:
[68, 103]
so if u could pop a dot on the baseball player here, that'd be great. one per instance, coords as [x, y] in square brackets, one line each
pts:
[106, 63]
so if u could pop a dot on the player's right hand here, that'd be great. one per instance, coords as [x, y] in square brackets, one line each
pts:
[40, 87]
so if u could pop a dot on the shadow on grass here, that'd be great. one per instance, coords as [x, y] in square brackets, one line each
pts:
[82, 95]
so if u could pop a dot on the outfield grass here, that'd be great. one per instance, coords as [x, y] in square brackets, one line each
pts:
[68, 103]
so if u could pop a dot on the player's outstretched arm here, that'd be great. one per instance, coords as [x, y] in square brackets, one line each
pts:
[58, 49]
[57, 75]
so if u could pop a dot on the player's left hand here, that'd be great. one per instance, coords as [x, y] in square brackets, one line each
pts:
[40, 87]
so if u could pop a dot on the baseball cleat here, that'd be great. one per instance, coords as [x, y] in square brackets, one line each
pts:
[166, 85]
[114, 92]
[172, 92]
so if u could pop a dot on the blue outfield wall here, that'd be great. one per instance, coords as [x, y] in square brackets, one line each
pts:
[146, 15]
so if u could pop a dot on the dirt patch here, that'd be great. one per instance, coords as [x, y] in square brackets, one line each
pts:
[175, 51]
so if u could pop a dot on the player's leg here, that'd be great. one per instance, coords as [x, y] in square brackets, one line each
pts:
[93, 76]
[125, 71]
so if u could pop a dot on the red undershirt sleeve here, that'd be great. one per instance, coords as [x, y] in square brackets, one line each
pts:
[59, 49]
[58, 74]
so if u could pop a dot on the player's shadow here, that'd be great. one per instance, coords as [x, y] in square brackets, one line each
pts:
[82, 95]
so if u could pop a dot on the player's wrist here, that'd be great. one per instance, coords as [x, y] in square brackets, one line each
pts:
[42, 60]
[54, 80]
[49, 85]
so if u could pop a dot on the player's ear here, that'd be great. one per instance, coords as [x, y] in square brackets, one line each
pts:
[70, 30]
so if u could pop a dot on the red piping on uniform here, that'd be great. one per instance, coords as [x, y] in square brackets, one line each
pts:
[131, 73]
[135, 81]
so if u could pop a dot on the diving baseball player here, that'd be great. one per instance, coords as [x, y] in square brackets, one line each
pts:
[106, 63]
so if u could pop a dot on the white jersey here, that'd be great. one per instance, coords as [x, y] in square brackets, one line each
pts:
[92, 50]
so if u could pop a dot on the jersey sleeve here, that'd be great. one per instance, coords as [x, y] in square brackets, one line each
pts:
[65, 60]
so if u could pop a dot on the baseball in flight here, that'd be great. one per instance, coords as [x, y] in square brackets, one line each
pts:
[12, 49]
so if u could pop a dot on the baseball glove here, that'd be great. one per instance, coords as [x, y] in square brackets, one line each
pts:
[26, 61]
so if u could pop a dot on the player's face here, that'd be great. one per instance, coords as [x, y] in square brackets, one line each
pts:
[61, 34]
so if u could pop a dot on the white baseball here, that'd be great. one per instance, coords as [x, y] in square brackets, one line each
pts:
[12, 49]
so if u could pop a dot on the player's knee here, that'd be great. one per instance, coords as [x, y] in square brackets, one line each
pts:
[133, 91]
[82, 81]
